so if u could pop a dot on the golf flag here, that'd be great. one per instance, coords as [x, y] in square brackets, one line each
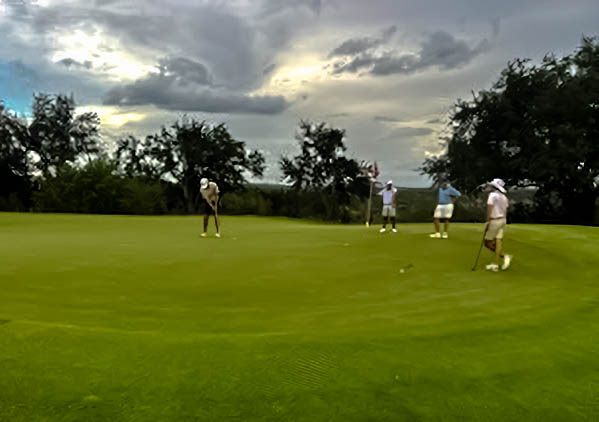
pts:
[374, 172]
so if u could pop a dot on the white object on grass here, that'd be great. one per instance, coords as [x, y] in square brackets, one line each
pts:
[492, 267]
[506, 262]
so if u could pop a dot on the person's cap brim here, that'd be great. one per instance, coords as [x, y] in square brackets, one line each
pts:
[499, 188]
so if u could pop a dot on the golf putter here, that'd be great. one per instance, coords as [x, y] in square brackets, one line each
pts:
[215, 208]
[482, 242]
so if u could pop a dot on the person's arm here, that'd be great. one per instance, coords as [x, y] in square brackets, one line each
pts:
[393, 198]
[214, 202]
[455, 194]
[489, 208]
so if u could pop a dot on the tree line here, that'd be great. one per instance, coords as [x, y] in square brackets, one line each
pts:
[537, 127]
[55, 161]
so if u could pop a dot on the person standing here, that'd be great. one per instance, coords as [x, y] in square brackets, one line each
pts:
[444, 210]
[209, 191]
[388, 206]
[497, 205]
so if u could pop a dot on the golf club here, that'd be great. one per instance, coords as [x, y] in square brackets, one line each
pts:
[215, 208]
[482, 242]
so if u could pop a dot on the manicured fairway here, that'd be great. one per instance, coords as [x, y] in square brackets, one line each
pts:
[139, 319]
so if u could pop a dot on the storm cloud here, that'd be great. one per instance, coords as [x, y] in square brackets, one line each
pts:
[184, 85]
[355, 46]
[383, 70]
[440, 50]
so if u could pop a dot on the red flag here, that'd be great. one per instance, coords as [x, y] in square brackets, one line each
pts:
[373, 172]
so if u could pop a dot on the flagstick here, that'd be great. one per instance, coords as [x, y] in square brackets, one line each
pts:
[369, 201]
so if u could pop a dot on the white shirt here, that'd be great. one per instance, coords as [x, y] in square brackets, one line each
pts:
[210, 192]
[499, 204]
[388, 196]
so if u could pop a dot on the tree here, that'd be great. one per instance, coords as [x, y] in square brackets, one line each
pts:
[188, 151]
[56, 135]
[321, 165]
[13, 161]
[538, 126]
[96, 187]
[135, 158]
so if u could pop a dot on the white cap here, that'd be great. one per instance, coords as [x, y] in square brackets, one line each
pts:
[498, 184]
[203, 183]
[390, 182]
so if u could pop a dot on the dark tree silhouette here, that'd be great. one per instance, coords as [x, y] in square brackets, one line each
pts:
[538, 126]
[57, 136]
[321, 164]
[14, 172]
[188, 151]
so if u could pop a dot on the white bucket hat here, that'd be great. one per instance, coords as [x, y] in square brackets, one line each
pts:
[203, 183]
[498, 184]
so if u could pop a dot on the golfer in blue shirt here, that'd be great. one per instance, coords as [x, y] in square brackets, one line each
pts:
[444, 210]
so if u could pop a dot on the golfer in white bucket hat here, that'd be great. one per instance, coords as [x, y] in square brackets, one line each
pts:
[497, 205]
[209, 191]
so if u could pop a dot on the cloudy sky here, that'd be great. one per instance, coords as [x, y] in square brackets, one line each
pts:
[387, 71]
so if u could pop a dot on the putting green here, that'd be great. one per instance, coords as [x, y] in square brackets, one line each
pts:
[139, 319]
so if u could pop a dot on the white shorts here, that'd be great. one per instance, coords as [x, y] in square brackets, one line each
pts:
[388, 211]
[444, 211]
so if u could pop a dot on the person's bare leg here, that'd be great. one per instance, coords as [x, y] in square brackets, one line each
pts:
[216, 223]
[507, 259]
[206, 217]
[490, 245]
[385, 221]
[498, 250]
[393, 221]
[446, 225]
[436, 225]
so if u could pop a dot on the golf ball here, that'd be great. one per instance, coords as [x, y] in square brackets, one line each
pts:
[401, 271]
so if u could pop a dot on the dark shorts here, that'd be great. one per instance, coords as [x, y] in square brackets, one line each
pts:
[206, 209]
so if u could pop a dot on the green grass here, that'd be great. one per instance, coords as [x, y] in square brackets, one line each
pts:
[138, 319]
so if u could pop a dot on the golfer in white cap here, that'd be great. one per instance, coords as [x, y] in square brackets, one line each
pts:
[444, 210]
[209, 191]
[388, 206]
[497, 205]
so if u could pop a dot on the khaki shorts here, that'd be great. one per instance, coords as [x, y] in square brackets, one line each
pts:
[388, 211]
[495, 229]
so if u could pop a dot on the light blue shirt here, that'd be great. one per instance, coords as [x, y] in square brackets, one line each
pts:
[446, 194]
